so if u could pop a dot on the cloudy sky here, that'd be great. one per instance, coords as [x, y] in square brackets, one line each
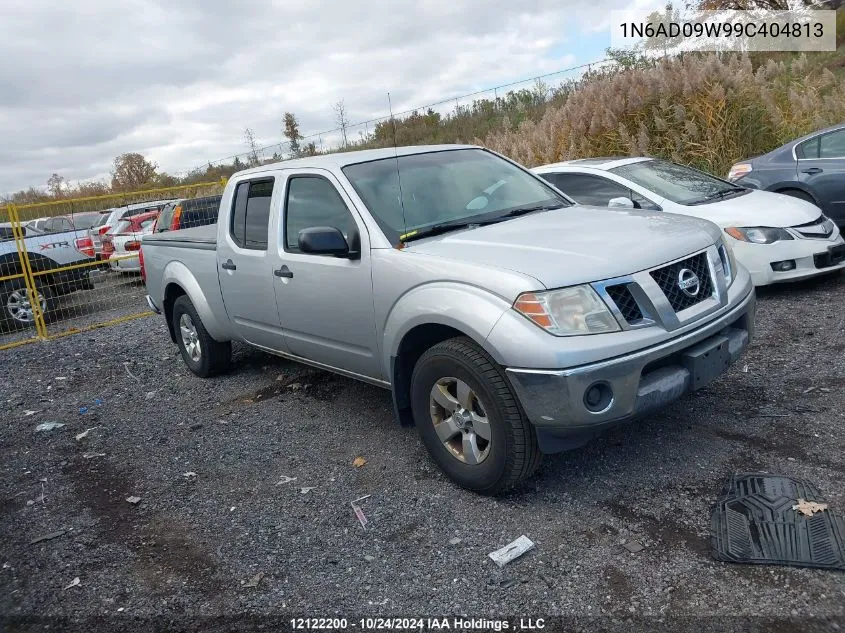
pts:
[179, 81]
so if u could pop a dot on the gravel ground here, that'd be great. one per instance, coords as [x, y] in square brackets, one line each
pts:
[206, 458]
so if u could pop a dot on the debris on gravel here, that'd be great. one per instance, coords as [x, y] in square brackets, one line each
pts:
[184, 551]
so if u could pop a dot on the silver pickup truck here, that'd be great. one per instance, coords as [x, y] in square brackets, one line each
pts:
[507, 321]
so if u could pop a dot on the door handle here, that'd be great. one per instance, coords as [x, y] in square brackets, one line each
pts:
[228, 265]
[813, 170]
[285, 272]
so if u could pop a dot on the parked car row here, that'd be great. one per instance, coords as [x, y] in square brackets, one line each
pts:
[112, 237]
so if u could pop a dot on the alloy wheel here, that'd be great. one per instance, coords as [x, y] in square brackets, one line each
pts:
[460, 420]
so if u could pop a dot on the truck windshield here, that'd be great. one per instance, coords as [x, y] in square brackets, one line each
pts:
[678, 183]
[446, 188]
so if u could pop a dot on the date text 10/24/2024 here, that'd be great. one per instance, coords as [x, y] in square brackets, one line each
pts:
[420, 624]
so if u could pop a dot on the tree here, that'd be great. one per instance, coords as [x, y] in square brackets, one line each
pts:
[310, 149]
[249, 139]
[55, 185]
[132, 171]
[292, 132]
[342, 119]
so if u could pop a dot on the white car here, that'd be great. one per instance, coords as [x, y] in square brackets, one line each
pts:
[121, 245]
[776, 237]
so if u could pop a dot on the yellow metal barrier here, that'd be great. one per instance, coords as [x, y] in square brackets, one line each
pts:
[56, 296]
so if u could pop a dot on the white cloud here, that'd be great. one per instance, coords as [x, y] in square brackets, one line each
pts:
[179, 82]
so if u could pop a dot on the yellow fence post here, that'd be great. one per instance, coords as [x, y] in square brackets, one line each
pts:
[18, 232]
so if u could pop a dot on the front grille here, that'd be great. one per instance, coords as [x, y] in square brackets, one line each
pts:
[626, 303]
[821, 228]
[668, 278]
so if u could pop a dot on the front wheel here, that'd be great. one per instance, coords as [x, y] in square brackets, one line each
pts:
[469, 419]
[202, 354]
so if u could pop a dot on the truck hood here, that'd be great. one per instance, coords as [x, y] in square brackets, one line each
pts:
[576, 244]
[758, 208]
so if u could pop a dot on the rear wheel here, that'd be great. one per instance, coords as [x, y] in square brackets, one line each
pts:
[202, 354]
[17, 310]
[469, 419]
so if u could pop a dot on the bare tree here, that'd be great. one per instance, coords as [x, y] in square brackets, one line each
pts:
[342, 119]
[55, 185]
[249, 139]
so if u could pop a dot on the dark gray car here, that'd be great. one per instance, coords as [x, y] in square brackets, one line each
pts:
[811, 168]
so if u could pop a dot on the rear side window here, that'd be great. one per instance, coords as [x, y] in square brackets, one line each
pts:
[832, 145]
[200, 212]
[251, 214]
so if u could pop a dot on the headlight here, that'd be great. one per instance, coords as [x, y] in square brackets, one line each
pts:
[728, 258]
[568, 311]
[758, 234]
[739, 170]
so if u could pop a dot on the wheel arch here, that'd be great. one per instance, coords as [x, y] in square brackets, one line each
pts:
[415, 324]
[178, 280]
[783, 187]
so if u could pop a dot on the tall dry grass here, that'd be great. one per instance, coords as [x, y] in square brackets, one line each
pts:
[702, 110]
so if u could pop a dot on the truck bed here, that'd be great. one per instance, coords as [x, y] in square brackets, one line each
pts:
[196, 237]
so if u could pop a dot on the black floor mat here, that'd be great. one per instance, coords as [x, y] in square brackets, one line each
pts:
[754, 522]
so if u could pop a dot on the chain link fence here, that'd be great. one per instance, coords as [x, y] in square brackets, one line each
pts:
[76, 264]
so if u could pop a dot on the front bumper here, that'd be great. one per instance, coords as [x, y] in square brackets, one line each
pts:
[811, 257]
[555, 400]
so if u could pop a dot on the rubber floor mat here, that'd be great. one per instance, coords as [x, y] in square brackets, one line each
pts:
[753, 522]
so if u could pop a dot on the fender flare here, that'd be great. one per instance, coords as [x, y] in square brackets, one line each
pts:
[176, 273]
[466, 308]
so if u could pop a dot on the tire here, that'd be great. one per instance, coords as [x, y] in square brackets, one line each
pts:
[202, 354]
[487, 466]
[15, 313]
[797, 193]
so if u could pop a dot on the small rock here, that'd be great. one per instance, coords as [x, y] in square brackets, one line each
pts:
[133, 500]
[634, 546]
[196, 426]
[369, 558]
[49, 426]
[454, 541]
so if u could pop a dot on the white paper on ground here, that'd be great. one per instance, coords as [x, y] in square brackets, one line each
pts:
[511, 551]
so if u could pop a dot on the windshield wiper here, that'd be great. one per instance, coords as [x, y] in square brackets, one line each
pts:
[444, 227]
[436, 229]
[721, 194]
[529, 209]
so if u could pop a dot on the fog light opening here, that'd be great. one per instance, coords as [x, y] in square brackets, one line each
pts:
[784, 266]
[598, 397]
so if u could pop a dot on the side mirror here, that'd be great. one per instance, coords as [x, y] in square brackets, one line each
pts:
[323, 240]
[621, 203]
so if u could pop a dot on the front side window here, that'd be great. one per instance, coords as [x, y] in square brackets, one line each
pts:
[832, 145]
[678, 183]
[251, 214]
[313, 201]
[445, 187]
